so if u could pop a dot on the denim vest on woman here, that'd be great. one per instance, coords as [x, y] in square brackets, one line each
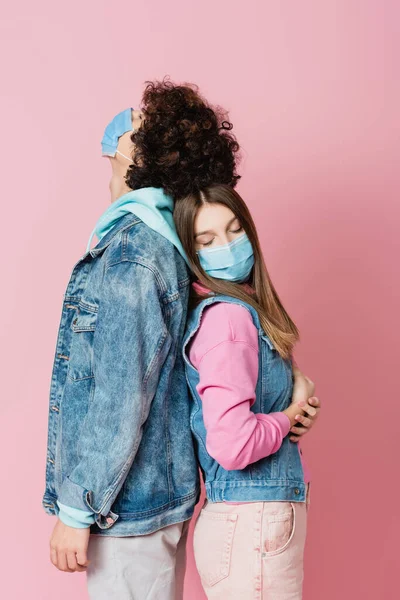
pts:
[119, 440]
[278, 477]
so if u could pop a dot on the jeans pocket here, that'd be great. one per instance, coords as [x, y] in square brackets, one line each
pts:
[280, 528]
[213, 539]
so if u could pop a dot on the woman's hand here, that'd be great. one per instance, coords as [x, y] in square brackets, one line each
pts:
[305, 421]
[292, 412]
[303, 396]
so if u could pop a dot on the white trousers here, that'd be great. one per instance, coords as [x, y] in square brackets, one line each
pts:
[146, 567]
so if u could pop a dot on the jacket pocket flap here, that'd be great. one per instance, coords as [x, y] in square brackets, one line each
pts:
[84, 320]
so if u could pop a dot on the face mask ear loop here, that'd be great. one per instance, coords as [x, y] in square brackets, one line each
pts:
[120, 153]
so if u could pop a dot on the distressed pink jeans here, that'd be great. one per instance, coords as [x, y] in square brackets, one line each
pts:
[251, 551]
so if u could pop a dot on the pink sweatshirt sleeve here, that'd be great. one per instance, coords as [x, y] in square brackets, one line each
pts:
[225, 353]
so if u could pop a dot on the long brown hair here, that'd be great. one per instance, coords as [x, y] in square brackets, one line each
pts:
[274, 319]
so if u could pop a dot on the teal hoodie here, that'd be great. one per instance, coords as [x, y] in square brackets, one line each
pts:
[151, 205]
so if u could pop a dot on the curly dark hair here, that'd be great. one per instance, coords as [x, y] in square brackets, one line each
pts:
[184, 144]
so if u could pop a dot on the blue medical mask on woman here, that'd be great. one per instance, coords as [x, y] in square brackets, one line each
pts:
[232, 262]
[120, 124]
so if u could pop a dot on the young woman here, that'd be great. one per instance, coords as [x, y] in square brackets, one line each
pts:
[249, 538]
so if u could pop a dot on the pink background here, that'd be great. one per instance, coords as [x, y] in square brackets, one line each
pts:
[313, 90]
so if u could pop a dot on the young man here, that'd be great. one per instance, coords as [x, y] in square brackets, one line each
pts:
[120, 462]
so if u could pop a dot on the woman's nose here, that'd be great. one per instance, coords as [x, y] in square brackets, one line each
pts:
[224, 239]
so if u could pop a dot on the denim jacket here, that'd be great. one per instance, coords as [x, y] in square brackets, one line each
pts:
[278, 477]
[119, 440]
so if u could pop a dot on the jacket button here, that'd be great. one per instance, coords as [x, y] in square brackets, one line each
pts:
[75, 321]
[296, 491]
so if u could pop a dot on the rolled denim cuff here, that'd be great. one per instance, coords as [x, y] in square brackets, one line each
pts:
[72, 494]
[76, 496]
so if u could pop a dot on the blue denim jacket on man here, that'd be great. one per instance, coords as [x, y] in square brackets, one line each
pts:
[278, 477]
[119, 440]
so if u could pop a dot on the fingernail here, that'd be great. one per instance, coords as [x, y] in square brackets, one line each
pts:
[297, 417]
[302, 403]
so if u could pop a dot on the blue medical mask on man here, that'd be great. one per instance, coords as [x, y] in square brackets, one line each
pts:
[232, 262]
[121, 123]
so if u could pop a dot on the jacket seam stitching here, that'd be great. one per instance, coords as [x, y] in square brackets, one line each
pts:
[99, 248]
[158, 278]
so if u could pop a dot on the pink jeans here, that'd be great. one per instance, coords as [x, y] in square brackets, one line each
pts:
[251, 551]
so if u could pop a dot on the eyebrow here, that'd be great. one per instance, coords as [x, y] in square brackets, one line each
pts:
[211, 231]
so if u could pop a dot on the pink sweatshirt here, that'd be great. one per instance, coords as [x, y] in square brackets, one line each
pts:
[225, 353]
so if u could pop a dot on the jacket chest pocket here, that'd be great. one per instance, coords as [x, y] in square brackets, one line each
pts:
[81, 355]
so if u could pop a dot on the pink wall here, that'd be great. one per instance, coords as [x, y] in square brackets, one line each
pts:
[313, 90]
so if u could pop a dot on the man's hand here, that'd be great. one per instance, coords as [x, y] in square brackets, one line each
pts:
[68, 548]
[303, 395]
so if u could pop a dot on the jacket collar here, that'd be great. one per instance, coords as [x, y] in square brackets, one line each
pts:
[122, 224]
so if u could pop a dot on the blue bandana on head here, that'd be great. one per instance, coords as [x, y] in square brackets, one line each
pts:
[120, 124]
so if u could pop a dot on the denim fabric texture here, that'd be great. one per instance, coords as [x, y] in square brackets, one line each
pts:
[278, 477]
[119, 439]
